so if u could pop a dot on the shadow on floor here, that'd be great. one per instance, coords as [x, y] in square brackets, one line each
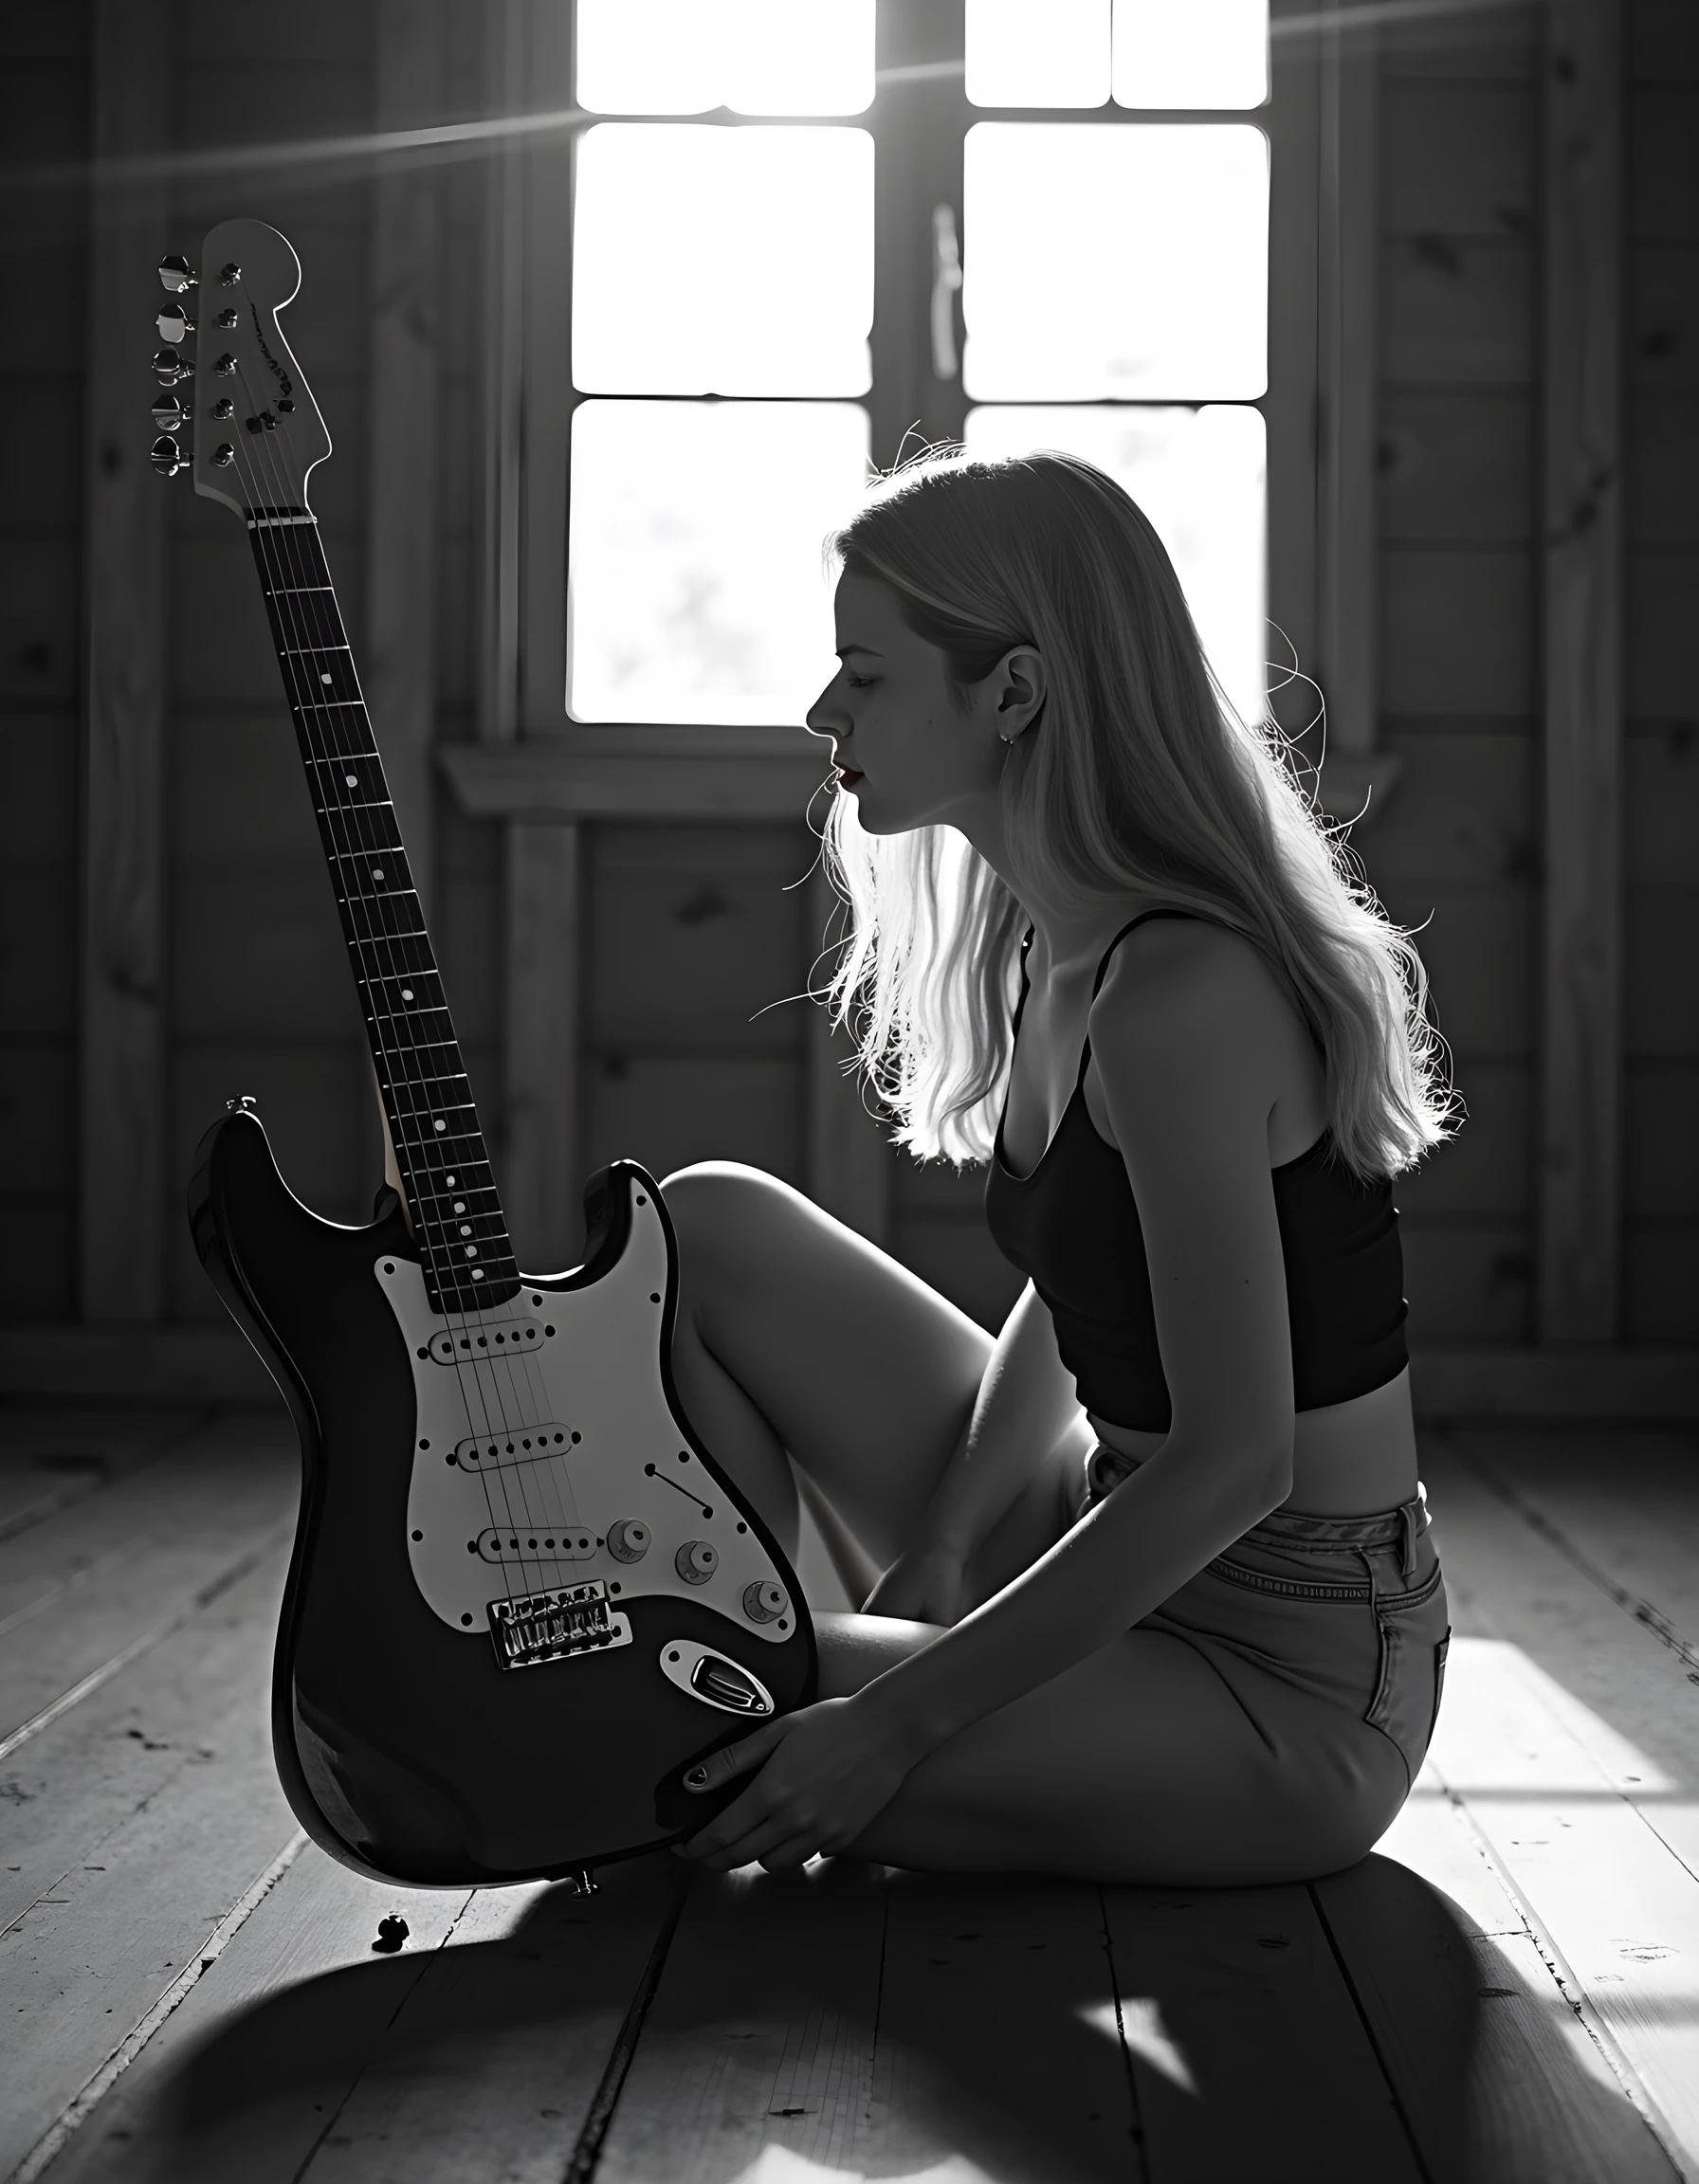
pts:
[858, 2023]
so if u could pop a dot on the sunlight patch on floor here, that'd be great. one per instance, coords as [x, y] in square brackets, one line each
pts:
[1141, 2025]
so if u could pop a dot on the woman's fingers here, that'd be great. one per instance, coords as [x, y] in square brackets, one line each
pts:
[735, 1759]
[760, 1835]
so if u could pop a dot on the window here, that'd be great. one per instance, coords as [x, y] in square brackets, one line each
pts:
[1115, 289]
[723, 301]
[1113, 302]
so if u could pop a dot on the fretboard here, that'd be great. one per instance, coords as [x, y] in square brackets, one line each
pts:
[427, 1098]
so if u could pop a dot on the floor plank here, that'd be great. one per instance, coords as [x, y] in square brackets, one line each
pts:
[54, 1455]
[248, 2076]
[1628, 1699]
[760, 2035]
[83, 1588]
[1498, 2077]
[1625, 1501]
[195, 1702]
[998, 2049]
[1250, 2055]
[1616, 1910]
[491, 2067]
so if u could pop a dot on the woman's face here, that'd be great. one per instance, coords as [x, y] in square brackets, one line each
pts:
[906, 753]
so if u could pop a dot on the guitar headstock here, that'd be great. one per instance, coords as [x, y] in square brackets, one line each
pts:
[234, 404]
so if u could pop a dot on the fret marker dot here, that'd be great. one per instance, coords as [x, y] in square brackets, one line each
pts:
[465, 1228]
[477, 1273]
[460, 1204]
[449, 1180]
[377, 875]
[472, 1250]
[325, 679]
[353, 780]
[439, 1124]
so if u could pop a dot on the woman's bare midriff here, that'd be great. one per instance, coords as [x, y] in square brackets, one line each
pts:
[1355, 1459]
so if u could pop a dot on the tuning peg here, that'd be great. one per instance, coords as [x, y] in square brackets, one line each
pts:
[173, 322]
[166, 456]
[170, 415]
[176, 274]
[169, 367]
[229, 275]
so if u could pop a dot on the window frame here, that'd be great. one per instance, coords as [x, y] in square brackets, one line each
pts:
[919, 123]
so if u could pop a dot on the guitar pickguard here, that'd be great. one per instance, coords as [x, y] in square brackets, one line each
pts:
[546, 1456]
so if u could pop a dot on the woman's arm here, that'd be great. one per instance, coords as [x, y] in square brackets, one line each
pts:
[1027, 1401]
[1182, 1039]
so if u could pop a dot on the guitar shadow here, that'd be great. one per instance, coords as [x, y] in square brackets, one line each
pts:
[867, 2023]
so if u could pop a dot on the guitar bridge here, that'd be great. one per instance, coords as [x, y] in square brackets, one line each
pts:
[544, 1627]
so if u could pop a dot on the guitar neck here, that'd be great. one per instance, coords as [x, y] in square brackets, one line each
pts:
[440, 1150]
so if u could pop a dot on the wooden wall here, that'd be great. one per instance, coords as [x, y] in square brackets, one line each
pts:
[1661, 374]
[693, 931]
[43, 117]
[1457, 847]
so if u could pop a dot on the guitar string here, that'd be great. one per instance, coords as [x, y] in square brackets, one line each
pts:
[544, 1478]
[281, 559]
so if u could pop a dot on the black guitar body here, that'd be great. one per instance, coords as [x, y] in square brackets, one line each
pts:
[406, 1748]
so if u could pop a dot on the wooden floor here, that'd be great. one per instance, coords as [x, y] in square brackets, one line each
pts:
[1507, 1990]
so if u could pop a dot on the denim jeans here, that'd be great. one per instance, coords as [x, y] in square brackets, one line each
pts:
[1351, 1610]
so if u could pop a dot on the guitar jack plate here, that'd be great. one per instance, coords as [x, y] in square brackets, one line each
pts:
[719, 1682]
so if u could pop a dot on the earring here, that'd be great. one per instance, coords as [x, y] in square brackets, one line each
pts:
[1002, 738]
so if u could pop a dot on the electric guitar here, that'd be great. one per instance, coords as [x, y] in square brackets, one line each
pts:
[522, 1598]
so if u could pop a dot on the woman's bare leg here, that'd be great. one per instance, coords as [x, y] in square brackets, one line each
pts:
[1138, 1764]
[796, 1335]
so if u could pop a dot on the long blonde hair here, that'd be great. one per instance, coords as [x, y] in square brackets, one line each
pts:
[1136, 776]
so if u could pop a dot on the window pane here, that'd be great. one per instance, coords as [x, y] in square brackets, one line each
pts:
[783, 58]
[697, 591]
[1199, 475]
[721, 261]
[755, 56]
[1125, 261]
[1021, 56]
[1201, 53]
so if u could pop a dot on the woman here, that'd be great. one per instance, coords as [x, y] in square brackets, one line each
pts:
[1157, 1601]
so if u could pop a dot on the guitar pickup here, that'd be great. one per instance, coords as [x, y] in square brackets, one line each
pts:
[471, 1344]
[503, 1543]
[491, 1451]
[547, 1627]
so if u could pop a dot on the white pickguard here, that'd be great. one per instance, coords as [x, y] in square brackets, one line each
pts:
[583, 1365]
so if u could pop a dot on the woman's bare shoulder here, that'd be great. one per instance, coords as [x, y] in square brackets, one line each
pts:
[1179, 986]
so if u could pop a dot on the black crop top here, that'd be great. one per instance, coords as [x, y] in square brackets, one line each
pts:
[1073, 1228]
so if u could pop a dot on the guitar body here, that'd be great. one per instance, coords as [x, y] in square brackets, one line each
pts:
[405, 1747]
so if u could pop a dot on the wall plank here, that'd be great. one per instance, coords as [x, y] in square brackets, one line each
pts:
[540, 1167]
[1661, 985]
[399, 668]
[1456, 468]
[1455, 313]
[120, 1080]
[1459, 156]
[1662, 585]
[1470, 1283]
[1459, 631]
[1582, 1000]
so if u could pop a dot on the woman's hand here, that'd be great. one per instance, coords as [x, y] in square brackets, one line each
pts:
[825, 1773]
[924, 1585]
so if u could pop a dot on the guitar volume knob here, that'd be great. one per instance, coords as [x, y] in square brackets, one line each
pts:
[765, 1603]
[628, 1540]
[696, 1561]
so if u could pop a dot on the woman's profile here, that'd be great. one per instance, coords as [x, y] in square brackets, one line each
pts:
[1155, 1599]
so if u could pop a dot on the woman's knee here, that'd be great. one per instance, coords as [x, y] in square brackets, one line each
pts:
[718, 1204]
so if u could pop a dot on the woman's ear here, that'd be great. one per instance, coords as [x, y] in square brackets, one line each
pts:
[1019, 686]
